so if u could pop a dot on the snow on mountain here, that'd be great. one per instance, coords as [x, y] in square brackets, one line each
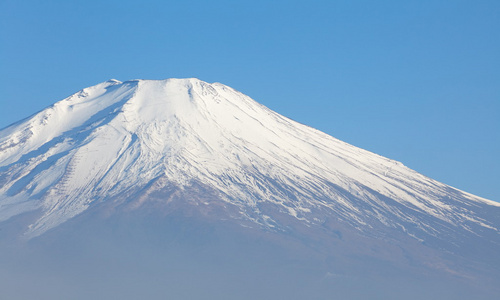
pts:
[147, 181]
[116, 139]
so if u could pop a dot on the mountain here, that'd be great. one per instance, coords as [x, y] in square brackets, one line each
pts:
[200, 172]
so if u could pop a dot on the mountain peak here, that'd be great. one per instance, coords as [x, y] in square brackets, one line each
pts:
[113, 81]
[191, 173]
[141, 136]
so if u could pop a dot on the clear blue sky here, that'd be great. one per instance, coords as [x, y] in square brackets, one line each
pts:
[416, 81]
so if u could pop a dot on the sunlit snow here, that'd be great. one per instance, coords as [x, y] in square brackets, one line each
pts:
[97, 144]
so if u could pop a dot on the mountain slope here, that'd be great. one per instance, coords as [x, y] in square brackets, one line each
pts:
[105, 139]
[189, 146]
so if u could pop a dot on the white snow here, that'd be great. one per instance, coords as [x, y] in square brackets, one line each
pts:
[105, 139]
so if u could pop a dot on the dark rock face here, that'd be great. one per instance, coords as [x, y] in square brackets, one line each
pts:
[153, 255]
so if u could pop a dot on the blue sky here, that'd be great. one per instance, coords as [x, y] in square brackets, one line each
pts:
[415, 81]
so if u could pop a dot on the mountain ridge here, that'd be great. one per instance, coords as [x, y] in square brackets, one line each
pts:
[198, 130]
[162, 174]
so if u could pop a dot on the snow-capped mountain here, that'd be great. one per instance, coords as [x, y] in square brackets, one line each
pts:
[187, 145]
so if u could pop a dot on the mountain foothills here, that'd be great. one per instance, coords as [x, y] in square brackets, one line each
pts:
[183, 188]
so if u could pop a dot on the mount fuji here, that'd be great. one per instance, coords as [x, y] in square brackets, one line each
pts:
[179, 188]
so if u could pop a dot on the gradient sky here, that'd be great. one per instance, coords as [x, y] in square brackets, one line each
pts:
[415, 81]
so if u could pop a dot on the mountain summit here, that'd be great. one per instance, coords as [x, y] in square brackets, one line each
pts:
[212, 153]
